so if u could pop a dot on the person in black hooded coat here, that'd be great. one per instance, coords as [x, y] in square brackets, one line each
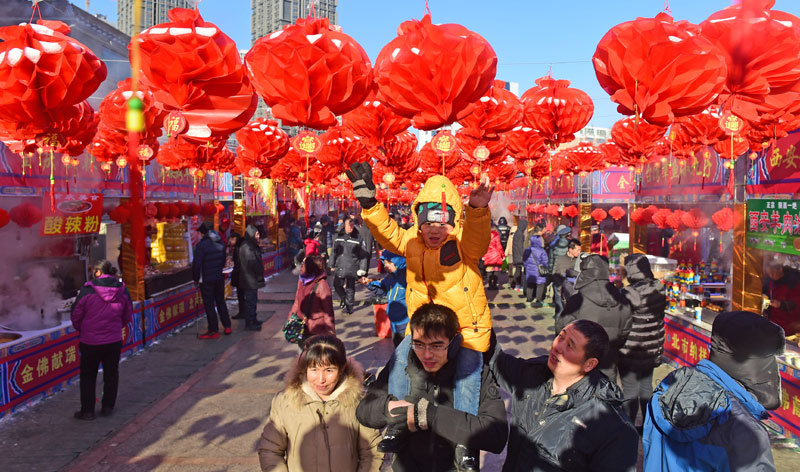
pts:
[517, 251]
[504, 230]
[596, 299]
[642, 351]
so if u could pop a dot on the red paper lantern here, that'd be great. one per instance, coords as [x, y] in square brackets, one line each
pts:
[659, 69]
[616, 213]
[739, 144]
[78, 130]
[636, 141]
[556, 110]
[469, 139]
[43, 72]
[551, 210]
[194, 209]
[374, 122]
[434, 163]
[194, 68]
[208, 209]
[570, 211]
[762, 73]
[114, 107]
[723, 219]
[398, 149]
[433, 73]
[598, 214]
[511, 208]
[120, 214]
[703, 128]
[584, 158]
[497, 111]
[694, 219]
[526, 143]
[660, 217]
[25, 215]
[675, 220]
[4, 218]
[341, 148]
[309, 72]
[262, 140]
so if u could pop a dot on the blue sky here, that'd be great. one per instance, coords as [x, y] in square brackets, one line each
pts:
[529, 36]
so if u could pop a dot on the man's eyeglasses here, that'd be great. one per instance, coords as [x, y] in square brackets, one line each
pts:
[433, 347]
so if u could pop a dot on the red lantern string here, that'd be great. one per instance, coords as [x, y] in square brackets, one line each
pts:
[52, 184]
[35, 9]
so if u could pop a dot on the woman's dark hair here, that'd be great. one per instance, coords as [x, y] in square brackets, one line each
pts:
[432, 319]
[314, 265]
[596, 338]
[323, 350]
[105, 267]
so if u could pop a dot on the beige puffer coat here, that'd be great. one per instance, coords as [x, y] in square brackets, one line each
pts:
[305, 434]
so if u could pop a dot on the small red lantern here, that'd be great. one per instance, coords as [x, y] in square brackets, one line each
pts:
[616, 213]
[598, 214]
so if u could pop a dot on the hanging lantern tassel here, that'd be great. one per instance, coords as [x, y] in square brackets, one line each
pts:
[52, 184]
[144, 184]
[194, 185]
[444, 205]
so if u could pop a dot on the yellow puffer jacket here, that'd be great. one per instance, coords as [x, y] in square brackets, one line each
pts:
[448, 275]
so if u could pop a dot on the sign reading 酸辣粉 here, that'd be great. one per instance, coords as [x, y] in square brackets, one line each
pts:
[774, 225]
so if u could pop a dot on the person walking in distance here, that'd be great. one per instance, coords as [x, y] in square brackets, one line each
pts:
[349, 261]
[100, 311]
[251, 276]
[207, 265]
[312, 301]
[517, 253]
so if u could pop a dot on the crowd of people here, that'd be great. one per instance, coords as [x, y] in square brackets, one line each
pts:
[437, 403]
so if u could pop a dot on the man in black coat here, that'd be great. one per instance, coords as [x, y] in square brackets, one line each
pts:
[430, 424]
[598, 300]
[251, 276]
[565, 415]
[348, 261]
[517, 250]
[642, 351]
[561, 264]
[207, 265]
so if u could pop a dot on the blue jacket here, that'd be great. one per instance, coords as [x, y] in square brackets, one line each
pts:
[700, 419]
[532, 258]
[394, 287]
[209, 258]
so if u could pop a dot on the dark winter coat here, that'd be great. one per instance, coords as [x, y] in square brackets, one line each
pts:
[369, 241]
[583, 430]
[560, 267]
[433, 449]
[645, 343]
[101, 309]
[349, 254]
[558, 248]
[787, 291]
[533, 257]
[596, 299]
[518, 242]
[504, 230]
[236, 266]
[209, 258]
[701, 419]
[251, 267]
[316, 308]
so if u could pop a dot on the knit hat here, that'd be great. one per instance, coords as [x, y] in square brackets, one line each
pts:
[562, 230]
[432, 213]
[744, 345]
[205, 227]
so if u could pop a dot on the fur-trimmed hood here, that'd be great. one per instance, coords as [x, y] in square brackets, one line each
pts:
[348, 393]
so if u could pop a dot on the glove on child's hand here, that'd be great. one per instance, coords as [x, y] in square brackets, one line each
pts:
[360, 174]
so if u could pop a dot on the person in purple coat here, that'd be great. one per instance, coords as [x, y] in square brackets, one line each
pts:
[103, 307]
[537, 269]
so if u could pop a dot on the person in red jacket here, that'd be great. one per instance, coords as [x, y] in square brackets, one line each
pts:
[313, 301]
[782, 288]
[494, 257]
[599, 242]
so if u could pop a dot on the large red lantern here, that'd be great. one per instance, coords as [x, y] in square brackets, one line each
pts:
[702, 128]
[374, 122]
[114, 107]
[659, 69]
[194, 68]
[583, 158]
[43, 72]
[309, 72]
[434, 162]
[760, 47]
[398, 149]
[556, 110]
[262, 140]
[636, 140]
[341, 148]
[469, 139]
[497, 111]
[526, 143]
[25, 215]
[78, 130]
[433, 73]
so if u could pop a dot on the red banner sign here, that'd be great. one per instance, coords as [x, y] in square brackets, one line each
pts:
[72, 214]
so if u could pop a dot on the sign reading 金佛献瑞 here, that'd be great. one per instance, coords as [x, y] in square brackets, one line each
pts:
[72, 214]
[774, 225]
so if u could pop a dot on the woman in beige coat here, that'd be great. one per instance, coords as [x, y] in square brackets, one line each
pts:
[312, 424]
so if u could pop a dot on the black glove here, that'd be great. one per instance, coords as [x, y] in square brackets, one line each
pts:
[400, 421]
[360, 174]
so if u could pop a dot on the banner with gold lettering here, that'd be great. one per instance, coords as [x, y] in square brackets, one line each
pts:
[776, 170]
[72, 213]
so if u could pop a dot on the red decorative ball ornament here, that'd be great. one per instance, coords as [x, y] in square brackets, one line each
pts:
[570, 211]
[432, 74]
[341, 148]
[262, 140]
[617, 213]
[556, 110]
[399, 149]
[583, 159]
[526, 143]
[723, 219]
[660, 217]
[374, 122]
[497, 111]
[43, 72]
[636, 141]
[309, 72]
[192, 67]
[25, 215]
[598, 214]
[659, 69]
[694, 219]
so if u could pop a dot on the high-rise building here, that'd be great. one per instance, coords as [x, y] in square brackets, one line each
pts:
[153, 12]
[272, 15]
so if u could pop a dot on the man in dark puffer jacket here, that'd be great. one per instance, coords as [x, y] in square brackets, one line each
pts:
[207, 265]
[642, 351]
[565, 415]
[517, 250]
[598, 300]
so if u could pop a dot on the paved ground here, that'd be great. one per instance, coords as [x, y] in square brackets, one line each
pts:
[187, 404]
